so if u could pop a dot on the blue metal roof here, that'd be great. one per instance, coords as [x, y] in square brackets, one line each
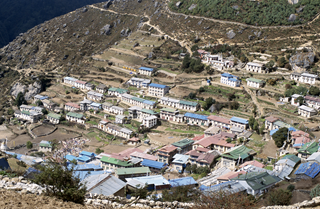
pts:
[70, 157]
[227, 75]
[83, 158]
[153, 164]
[273, 131]
[91, 154]
[149, 102]
[292, 129]
[239, 120]
[182, 182]
[146, 68]
[233, 79]
[311, 170]
[86, 166]
[157, 85]
[84, 174]
[196, 116]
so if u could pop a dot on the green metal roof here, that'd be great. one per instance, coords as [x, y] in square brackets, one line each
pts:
[282, 124]
[188, 103]
[257, 180]
[149, 111]
[255, 80]
[241, 151]
[137, 99]
[183, 143]
[55, 116]
[25, 112]
[130, 171]
[45, 145]
[112, 89]
[121, 91]
[115, 161]
[292, 157]
[309, 148]
[75, 115]
[168, 110]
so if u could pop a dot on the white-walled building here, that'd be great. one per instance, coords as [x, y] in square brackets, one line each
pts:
[304, 77]
[101, 88]
[54, 118]
[180, 104]
[75, 117]
[69, 80]
[136, 101]
[313, 102]
[139, 82]
[171, 115]
[256, 67]
[255, 83]
[306, 111]
[80, 84]
[31, 116]
[95, 96]
[71, 107]
[146, 71]
[158, 90]
[117, 92]
[239, 122]
[230, 80]
[219, 121]
[45, 146]
[150, 121]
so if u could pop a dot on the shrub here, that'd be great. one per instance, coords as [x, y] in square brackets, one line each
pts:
[291, 187]
[279, 197]
[98, 151]
[29, 145]
[315, 192]
[59, 181]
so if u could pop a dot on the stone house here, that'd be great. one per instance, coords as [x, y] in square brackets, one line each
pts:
[313, 102]
[196, 119]
[256, 67]
[239, 122]
[304, 77]
[269, 121]
[95, 96]
[45, 146]
[307, 112]
[54, 118]
[101, 88]
[71, 107]
[255, 83]
[219, 122]
[75, 117]
[150, 121]
[166, 153]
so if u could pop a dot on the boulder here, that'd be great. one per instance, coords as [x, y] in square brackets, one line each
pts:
[192, 7]
[292, 18]
[231, 34]
[178, 4]
[106, 29]
[107, 4]
[303, 59]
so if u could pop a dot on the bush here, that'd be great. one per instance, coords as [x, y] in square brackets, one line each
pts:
[59, 181]
[280, 136]
[99, 151]
[279, 197]
[29, 145]
[291, 187]
[315, 192]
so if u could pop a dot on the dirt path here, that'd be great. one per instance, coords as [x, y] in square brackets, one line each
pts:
[254, 99]
[156, 27]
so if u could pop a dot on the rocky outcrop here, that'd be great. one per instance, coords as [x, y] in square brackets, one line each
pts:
[305, 204]
[192, 7]
[106, 29]
[231, 34]
[29, 91]
[303, 59]
[292, 18]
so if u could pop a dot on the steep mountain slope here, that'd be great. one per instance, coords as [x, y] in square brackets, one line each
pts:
[18, 16]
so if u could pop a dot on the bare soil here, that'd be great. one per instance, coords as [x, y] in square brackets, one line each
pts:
[43, 129]
[269, 150]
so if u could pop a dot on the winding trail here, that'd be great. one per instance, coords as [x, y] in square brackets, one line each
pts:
[254, 99]
[156, 27]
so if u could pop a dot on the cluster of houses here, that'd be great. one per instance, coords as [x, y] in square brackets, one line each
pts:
[309, 107]
[304, 77]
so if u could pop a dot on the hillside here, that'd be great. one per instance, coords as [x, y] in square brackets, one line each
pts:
[266, 12]
[18, 16]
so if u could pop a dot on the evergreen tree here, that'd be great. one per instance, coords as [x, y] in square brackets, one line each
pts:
[20, 100]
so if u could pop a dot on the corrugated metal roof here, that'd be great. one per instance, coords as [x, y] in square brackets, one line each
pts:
[182, 182]
[134, 170]
[181, 159]
[308, 169]
[196, 116]
[239, 120]
[157, 180]
[157, 85]
[153, 164]
[146, 68]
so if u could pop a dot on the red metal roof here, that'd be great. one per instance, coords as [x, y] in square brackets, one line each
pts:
[219, 119]
[254, 163]
[197, 138]
[271, 119]
[81, 82]
[230, 175]
[72, 105]
[207, 157]
[316, 99]
[169, 148]
[144, 156]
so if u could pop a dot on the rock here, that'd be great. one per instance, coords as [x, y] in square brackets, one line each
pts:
[107, 5]
[156, 4]
[257, 33]
[15, 180]
[136, 44]
[6, 179]
[86, 33]
[105, 29]
[292, 18]
[178, 4]
[300, 9]
[139, 1]
[84, 10]
[303, 59]
[64, 25]
[236, 7]
[231, 34]
[31, 90]
[251, 37]
[192, 7]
